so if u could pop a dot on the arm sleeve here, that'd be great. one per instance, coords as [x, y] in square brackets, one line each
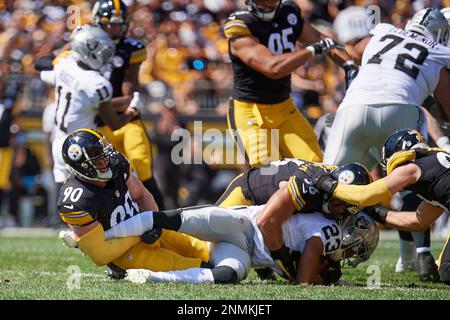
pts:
[103, 251]
[235, 28]
[134, 226]
[367, 195]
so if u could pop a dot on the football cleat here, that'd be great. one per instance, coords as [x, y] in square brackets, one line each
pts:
[139, 276]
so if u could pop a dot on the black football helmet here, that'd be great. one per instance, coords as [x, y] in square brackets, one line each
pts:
[403, 139]
[83, 148]
[111, 12]
[352, 173]
[258, 11]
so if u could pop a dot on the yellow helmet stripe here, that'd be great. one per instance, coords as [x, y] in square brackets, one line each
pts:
[95, 133]
[117, 7]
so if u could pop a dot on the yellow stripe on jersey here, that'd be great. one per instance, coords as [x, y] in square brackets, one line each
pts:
[236, 28]
[77, 218]
[399, 158]
[296, 196]
[59, 56]
[138, 56]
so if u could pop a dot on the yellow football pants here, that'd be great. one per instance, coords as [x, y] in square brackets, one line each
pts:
[253, 125]
[444, 262]
[173, 251]
[132, 140]
[6, 159]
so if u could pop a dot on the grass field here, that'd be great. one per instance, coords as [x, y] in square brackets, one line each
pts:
[38, 267]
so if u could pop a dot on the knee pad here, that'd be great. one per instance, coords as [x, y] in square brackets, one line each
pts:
[224, 275]
[444, 272]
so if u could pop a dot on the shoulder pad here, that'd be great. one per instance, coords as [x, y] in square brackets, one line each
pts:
[400, 158]
[237, 25]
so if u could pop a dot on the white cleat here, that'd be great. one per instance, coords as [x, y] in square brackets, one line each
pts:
[139, 276]
[403, 267]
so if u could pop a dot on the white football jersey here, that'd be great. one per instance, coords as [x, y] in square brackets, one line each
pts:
[399, 67]
[296, 232]
[78, 93]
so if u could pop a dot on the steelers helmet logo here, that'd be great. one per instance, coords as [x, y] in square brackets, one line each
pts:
[346, 176]
[292, 19]
[117, 61]
[74, 152]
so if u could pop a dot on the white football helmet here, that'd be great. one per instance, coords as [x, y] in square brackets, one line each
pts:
[431, 23]
[360, 238]
[92, 46]
[446, 13]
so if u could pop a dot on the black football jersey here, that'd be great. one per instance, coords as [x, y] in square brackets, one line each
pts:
[81, 203]
[261, 183]
[280, 36]
[434, 182]
[128, 51]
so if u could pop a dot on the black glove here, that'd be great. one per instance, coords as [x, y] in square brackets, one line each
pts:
[331, 273]
[324, 181]
[151, 236]
[377, 213]
[323, 46]
[351, 71]
[285, 261]
[114, 272]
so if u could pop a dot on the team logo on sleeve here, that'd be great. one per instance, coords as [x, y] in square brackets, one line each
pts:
[346, 176]
[74, 152]
[292, 19]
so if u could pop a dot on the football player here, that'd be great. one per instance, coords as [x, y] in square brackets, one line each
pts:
[411, 165]
[132, 139]
[81, 91]
[263, 50]
[237, 244]
[101, 193]
[399, 70]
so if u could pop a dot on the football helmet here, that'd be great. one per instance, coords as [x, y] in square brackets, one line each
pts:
[446, 13]
[352, 173]
[92, 46]
[360, 237]
[431, 23]
[107, 13]
[258, 11]
[404, 139]
[84, 150]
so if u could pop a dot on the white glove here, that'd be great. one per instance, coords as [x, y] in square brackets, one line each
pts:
[136, 102]
[444, 143]
[323, 46]
[139, 276]
[69, 238]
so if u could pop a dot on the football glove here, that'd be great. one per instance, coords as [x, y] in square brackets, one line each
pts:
[136, 102]
[69, 238]
[332, 273]
[351, 71]
[323, 46]
[324, 181]
[285, 261]
[377, 213]
[151, 236]
[114, 272]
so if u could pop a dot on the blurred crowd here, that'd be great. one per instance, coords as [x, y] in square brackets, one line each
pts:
[187, 62]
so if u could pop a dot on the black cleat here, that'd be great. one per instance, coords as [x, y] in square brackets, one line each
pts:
[114, 272]
[427, 268]
[265, 274]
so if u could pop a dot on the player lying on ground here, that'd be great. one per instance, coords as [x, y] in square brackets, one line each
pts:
[316, 242]
[411, 165]
[101, 193]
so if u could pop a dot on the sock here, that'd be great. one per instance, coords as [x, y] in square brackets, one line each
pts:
[407, 251]
[194, 275]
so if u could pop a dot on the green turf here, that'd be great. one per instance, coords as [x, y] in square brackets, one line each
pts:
[36, 268]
